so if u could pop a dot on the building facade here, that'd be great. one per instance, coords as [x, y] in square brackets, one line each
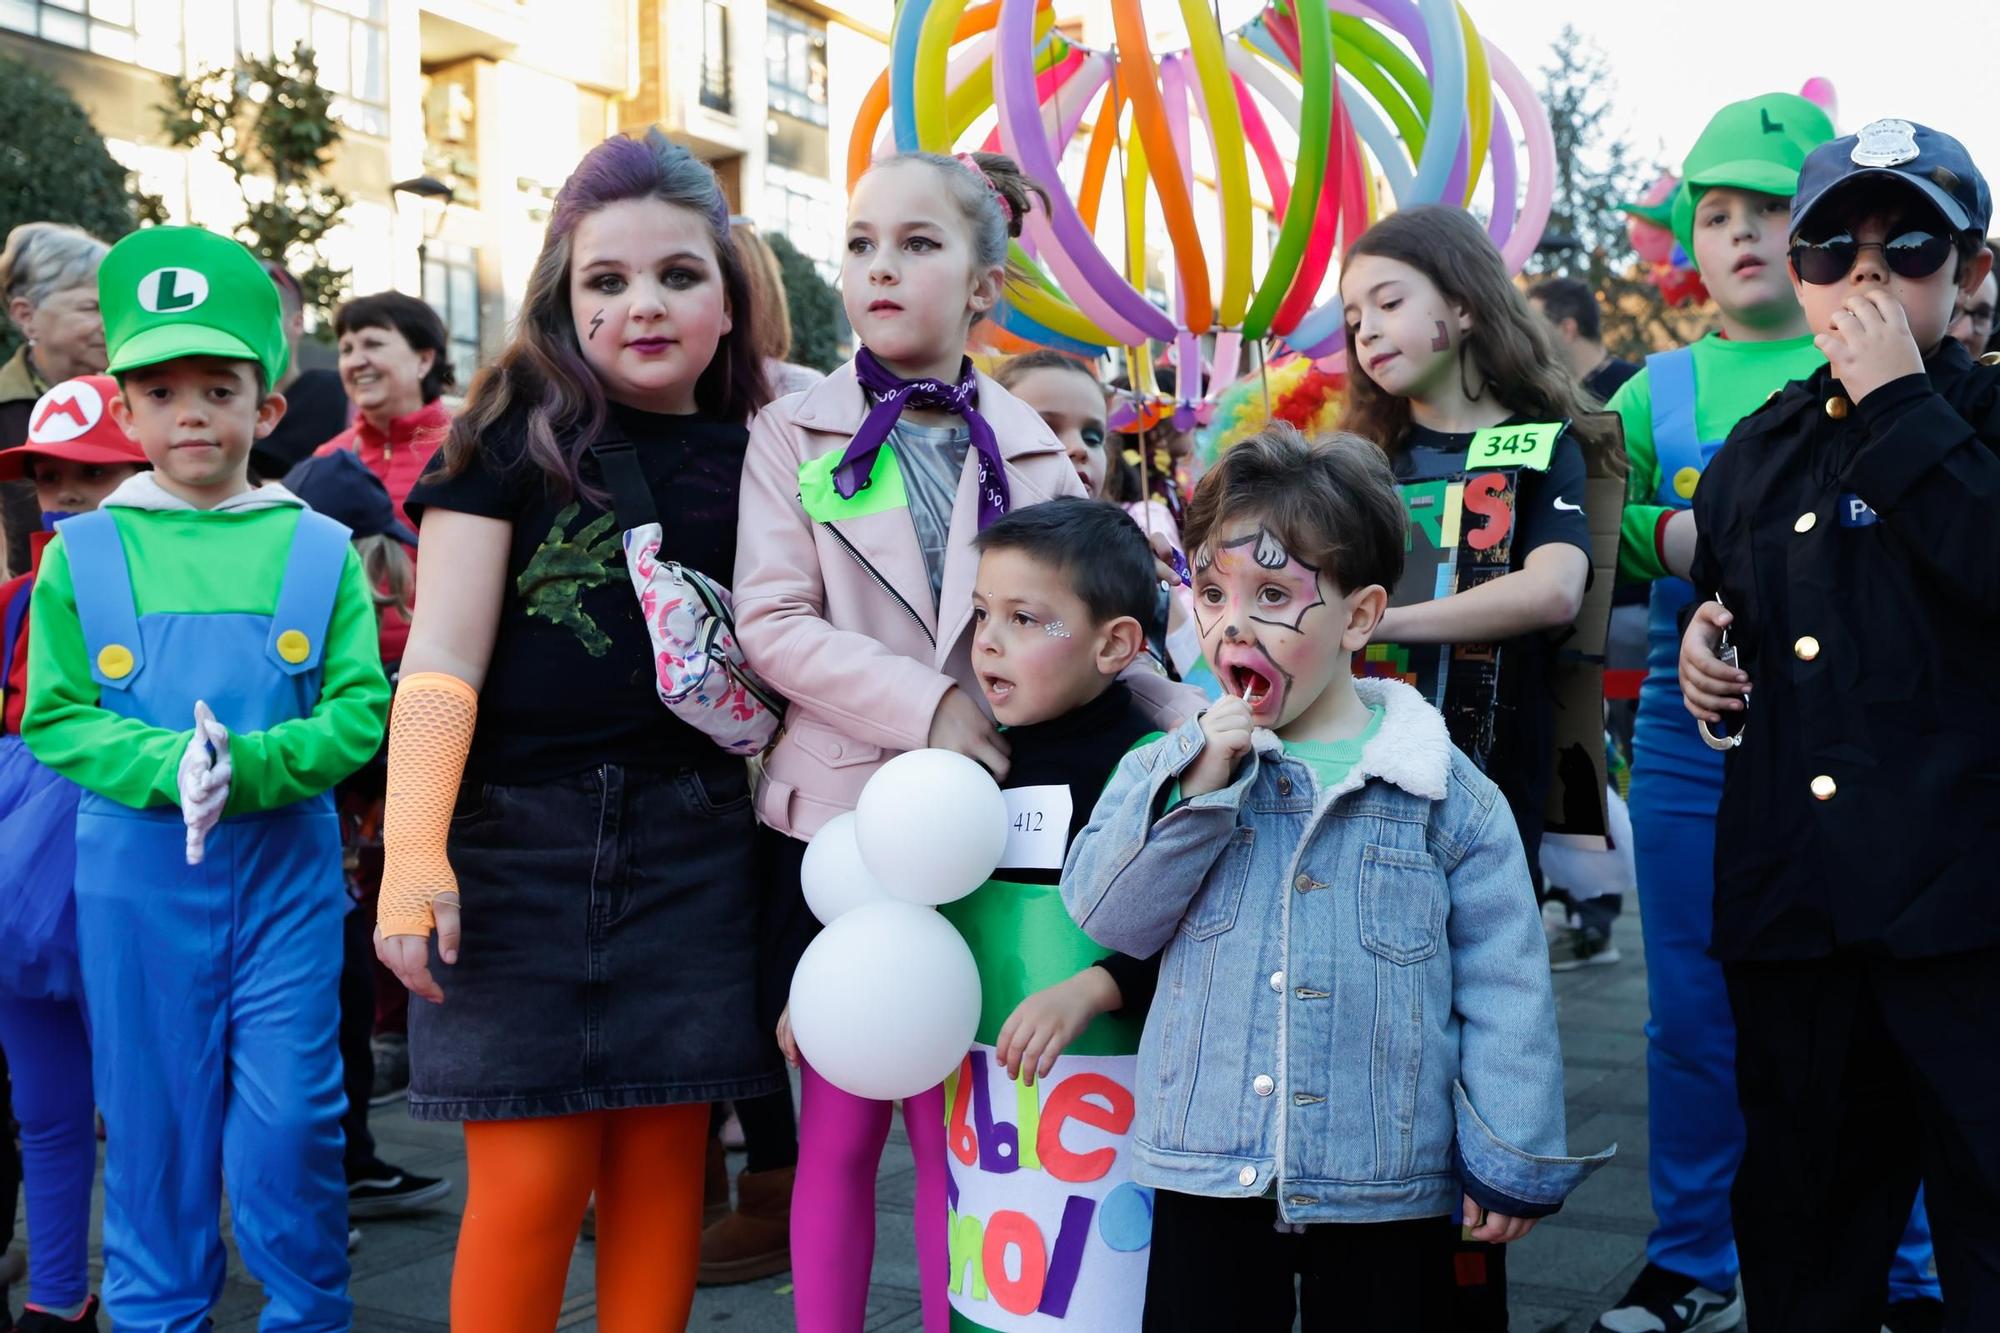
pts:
[496, 98]
[767, 91]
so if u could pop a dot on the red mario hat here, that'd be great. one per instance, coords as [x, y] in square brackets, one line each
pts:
[73, 421]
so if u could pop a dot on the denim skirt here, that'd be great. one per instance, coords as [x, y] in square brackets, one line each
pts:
[608, 956]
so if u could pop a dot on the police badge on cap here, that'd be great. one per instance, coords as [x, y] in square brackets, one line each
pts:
[1885, 143]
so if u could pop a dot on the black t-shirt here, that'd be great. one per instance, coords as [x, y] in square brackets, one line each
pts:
[315, 412]
[1548, 508]
[571, 683]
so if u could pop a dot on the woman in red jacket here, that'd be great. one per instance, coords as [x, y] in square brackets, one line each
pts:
[395, 366]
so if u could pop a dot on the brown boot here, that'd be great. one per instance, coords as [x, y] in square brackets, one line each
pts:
[715, 1185]
[755, 1240]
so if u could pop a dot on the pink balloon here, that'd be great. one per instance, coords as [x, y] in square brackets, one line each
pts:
[1541, 184]
[1086, 276]
[1650, 241]
[1819, 91]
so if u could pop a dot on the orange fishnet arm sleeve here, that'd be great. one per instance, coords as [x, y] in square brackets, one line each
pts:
[430, 734]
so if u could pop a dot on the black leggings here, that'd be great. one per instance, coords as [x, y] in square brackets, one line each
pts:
[1221, 1263]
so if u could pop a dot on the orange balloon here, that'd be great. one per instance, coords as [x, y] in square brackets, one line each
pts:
[1150, 113]
[1103, 138]
[861, 148]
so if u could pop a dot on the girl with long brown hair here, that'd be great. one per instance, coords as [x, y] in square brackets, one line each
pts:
[1442, 347]
[596, 990]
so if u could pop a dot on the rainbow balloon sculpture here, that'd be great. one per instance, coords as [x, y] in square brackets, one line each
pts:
[1402, 96]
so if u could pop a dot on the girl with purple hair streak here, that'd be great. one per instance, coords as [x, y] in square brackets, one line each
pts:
[594, 991]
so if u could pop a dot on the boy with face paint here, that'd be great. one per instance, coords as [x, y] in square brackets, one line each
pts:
[1848, 528]
[1317, 865]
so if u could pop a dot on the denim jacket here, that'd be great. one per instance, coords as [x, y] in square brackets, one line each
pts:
[1354, 1008]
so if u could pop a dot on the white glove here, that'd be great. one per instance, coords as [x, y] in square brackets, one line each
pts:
[204, 780]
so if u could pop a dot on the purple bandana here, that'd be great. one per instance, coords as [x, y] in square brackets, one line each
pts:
[889, 396]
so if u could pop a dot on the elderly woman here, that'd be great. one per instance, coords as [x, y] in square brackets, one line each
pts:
[48, 284]
[395, 366]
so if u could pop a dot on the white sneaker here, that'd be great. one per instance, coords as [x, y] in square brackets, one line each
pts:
[1660, 1301]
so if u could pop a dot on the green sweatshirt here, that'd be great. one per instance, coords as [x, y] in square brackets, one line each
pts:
[1732, 380]
[201, 562]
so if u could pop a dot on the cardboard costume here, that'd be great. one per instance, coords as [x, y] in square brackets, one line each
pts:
[1044, 1170]
[211, 988]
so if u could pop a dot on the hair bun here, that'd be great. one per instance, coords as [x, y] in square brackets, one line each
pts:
[1015, 189]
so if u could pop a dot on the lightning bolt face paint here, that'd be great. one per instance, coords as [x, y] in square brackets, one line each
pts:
[596, 323]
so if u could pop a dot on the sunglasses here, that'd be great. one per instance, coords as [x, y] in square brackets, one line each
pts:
[1912, 254]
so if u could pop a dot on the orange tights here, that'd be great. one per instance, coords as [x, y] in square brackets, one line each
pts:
[529, 1183]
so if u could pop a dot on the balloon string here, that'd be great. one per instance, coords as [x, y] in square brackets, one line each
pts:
[1264, 378]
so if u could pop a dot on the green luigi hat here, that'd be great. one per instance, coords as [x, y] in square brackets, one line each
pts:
[1756, 144]
[170, 292]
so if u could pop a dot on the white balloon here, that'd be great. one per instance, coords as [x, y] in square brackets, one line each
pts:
[885, 1001]
[931, 825]
[833, 875]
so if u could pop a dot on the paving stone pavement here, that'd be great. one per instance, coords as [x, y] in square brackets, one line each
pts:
[1562, 1274]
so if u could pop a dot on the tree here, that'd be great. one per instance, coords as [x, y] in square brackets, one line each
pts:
[57, 169]
[1596, 172]
[271, 124]
[816, 328]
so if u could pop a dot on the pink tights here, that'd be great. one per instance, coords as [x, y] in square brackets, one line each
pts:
[833, 1204]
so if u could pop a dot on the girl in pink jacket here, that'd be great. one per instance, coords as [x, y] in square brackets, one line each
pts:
[853, 598]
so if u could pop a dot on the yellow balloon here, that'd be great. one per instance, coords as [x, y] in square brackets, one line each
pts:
[1479, 101]
[1135, 210]
[1232, 164]
[933, 61]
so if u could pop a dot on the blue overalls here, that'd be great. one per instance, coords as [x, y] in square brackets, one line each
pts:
[1697, 1129]
[213, 988]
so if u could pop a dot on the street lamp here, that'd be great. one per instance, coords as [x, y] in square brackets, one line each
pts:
[433, 196]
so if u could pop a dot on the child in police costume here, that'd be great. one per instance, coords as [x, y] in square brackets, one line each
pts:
[1731, 218]
[1063, 590]
[203, 664]
[1847, 536]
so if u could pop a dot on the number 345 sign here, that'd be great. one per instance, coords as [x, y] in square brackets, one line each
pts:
[1530, 446]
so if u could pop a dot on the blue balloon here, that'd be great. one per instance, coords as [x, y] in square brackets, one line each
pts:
[1125, 1219]
[1034, 331]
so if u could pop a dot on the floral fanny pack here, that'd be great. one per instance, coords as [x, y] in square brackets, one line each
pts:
[698, 666]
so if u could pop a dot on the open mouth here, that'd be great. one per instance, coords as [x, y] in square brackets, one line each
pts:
[998, 689]
[1250, 685]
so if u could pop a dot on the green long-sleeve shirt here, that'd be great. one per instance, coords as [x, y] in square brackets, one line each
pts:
[197, 562]
[1732, 380]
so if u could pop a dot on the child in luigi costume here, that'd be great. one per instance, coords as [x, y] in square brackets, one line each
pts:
[1731, 216]
[203, 664]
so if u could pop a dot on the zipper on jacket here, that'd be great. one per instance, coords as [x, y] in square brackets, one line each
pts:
[876, 574]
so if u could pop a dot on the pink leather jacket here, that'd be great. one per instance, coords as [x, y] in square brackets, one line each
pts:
[836, 613]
